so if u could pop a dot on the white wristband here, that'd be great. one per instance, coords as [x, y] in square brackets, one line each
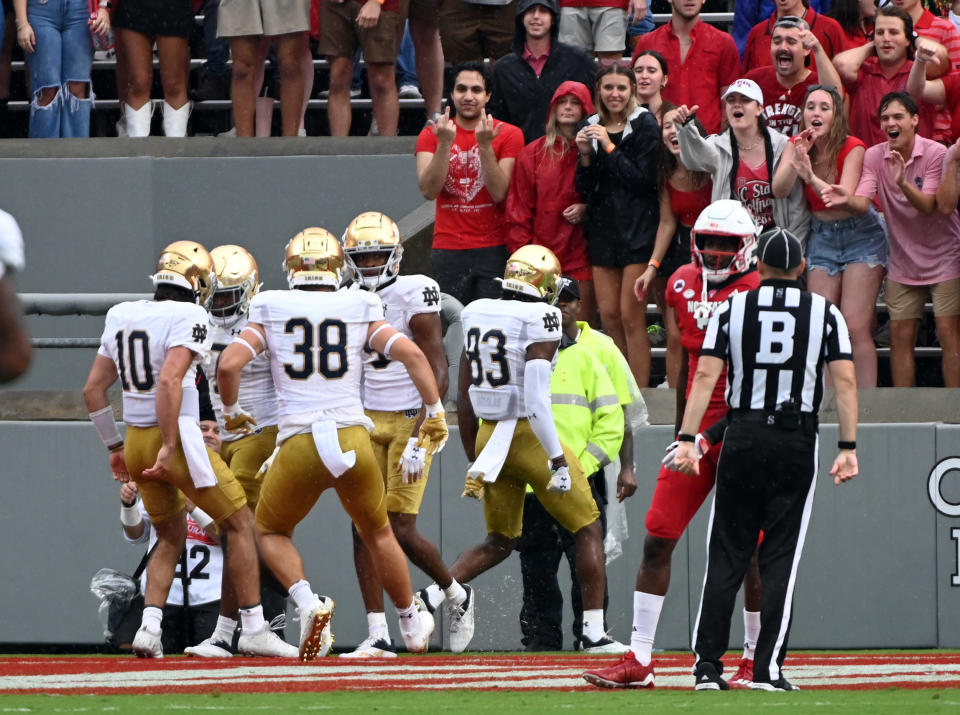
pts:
[435, 410]
[231, 410]
[107, 427]
[130, 515]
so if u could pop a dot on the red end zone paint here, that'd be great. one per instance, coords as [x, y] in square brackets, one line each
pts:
[483, 672]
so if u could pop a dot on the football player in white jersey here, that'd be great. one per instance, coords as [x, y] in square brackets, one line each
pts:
[154, 347]
[316, 336]
[390, 399]
[238, 280]
[14, 340]
[509, 344]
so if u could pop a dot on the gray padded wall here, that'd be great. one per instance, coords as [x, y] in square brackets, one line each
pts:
[112, 216]
[876, 570]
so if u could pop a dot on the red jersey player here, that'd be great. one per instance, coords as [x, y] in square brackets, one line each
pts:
[723, 243]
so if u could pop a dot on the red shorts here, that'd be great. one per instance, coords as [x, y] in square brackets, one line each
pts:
[678, 496]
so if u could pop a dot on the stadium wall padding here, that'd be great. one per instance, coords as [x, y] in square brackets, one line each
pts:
[879, 568]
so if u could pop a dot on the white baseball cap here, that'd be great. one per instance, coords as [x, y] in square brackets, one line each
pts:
[748, 88]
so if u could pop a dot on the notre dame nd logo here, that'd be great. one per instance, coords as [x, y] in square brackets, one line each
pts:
[431, 296]
[551, 322]
[199, 333]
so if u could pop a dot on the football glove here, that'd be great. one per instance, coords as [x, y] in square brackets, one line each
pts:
[236, 420]
[473, 489]
[433, 434]
[559, 479]
[413, 462]
[700, 443]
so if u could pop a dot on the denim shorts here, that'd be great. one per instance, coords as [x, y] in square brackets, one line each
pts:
[832, 245]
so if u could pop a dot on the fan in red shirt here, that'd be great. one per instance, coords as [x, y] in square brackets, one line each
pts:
[785, 82]
[543, 206]
[827, 30]
[702, 59]
[723, 248]
[466, 164]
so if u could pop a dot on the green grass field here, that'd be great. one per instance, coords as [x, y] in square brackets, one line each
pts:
[875, 702]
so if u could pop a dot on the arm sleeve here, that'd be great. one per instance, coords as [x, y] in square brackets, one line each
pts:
[837, 345]
[193, 331]
[933, 171]
[536, 397]
[696, 152]
[636, 164]
[716, 337]
[868, 179]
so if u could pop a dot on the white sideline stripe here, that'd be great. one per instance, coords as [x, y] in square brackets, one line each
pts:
[453, 676]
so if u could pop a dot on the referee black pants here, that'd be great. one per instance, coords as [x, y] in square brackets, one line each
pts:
[765, 480]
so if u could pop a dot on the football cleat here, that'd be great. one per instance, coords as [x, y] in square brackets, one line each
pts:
[373, 232]
[313, 621]
[706, 677]
[265, 643]
[534, 271]
[743, 678]
[188, 265]
[314, 257]
[781, 685]
[603, 646]
[416, 631]
[238, 280]
[460, 621]
[625, 673]
[372, 648]
[147, 644]
[209, 648]
[725, 221]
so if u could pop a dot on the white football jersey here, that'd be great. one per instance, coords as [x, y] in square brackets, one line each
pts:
[386, 384]
[202, 557]
[258, 396]
[11, 244]
[496, 336]
[137, 336]
[316, 341]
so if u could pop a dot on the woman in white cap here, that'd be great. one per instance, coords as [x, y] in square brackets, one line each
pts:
[743, 159]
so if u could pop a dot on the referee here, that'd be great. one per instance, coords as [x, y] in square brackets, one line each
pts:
[774, 341]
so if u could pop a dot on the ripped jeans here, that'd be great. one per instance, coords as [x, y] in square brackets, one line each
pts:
[63, 54]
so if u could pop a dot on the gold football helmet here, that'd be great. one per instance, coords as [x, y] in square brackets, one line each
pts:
[187, 264]
[533, 270]
[238, 280]
[373, 232]
[314, 257]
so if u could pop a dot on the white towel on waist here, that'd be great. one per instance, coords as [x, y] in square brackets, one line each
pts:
[490, 461]
[195, 450]
[328, 447]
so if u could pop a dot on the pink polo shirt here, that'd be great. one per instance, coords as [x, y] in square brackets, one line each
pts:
[923, 249]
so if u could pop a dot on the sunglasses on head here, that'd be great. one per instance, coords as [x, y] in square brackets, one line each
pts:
[791, 21]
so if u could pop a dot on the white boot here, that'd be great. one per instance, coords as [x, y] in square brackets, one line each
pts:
[138, 120]
[175, 120]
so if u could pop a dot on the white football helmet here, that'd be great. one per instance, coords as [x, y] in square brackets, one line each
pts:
[237, 282]
[726, 218]
[373, 232]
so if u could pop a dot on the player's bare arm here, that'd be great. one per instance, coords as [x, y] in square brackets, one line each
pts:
[102, 375]
[427, 330]
[15, 348]
[709, 369]
[466, 418]
[245, 348]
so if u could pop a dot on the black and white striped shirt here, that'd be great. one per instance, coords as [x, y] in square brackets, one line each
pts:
[775, 340]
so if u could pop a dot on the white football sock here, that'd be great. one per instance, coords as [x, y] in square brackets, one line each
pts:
[251, 619]
[434, 596]
[224, 630]
[152, 616]
[409, 618]
[751, 630]
[377, 625]
[593, 624]
[646, 616]
[455, 593]
[303, 595]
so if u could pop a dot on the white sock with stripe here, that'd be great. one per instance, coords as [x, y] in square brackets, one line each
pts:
[646, 616]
